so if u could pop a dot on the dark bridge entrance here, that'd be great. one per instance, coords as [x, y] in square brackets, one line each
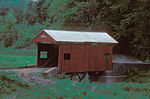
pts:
[47, 55]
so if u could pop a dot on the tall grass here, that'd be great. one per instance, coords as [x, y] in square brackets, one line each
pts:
[14, 58]
[67, 89]
[25, 52]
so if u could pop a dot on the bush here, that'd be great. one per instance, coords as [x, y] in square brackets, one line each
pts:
[10, 82]
[137, 76]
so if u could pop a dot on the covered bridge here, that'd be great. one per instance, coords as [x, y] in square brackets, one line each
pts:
[74, 51]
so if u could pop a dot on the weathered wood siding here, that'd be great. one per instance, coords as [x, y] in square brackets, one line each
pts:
[84, 58]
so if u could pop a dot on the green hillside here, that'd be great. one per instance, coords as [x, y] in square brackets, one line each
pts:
[127, 20]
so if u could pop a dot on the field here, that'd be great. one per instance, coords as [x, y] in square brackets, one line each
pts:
[137, 85]
[14, 58]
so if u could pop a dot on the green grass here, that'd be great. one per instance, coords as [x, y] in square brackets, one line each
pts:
[14, 58]
[12, 87]
[25, 52]
[67, 89]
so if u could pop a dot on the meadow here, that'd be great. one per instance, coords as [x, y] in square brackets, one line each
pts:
[136, 85]
[14, 58]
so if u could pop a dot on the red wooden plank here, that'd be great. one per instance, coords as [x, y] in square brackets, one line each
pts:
[64, 64]
[96, 58]
[67, 63]
[91, 59]
[107, 63]
[83, 58]
[79, 58]
[101, 59]
[59, 59]
[75, 55]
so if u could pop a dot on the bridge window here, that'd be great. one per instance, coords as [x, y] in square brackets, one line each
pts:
[43, 54]
[67, 56]
[106, 56]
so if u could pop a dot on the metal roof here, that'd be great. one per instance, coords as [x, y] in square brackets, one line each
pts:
[76, 36]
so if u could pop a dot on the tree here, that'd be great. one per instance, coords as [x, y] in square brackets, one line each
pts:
[59, 11]
[9, 33]
[128, 20]
[85, 16]
[30, 12]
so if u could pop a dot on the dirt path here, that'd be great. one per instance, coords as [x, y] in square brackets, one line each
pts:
[32, 75]
[27, 70]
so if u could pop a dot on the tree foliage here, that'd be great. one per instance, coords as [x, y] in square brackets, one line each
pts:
[128, 20]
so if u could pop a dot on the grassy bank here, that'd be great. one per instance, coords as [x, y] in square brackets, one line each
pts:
[67, 89]
[12, 87]
[13, 58]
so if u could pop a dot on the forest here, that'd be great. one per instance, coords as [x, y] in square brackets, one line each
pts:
[127, 20]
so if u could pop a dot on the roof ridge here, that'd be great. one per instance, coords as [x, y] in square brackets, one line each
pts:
[74, 31]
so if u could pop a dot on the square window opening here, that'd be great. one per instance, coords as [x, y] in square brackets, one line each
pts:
[106, 56]
[43, 54]
[67, 56]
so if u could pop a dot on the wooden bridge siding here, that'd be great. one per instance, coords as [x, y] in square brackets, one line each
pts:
[64, 65]
[79, 57]
[109, 66]
[78, 63]
[107, 63]
[84, 58]
[95, 55]
[96, 60]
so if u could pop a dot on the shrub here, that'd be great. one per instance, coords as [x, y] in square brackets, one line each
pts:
[138, 76]
[10, 82]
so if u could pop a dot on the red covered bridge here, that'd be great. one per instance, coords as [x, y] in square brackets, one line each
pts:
[74, 51]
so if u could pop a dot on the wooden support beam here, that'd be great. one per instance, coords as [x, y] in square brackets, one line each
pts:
[78, 76]
[49, 70]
